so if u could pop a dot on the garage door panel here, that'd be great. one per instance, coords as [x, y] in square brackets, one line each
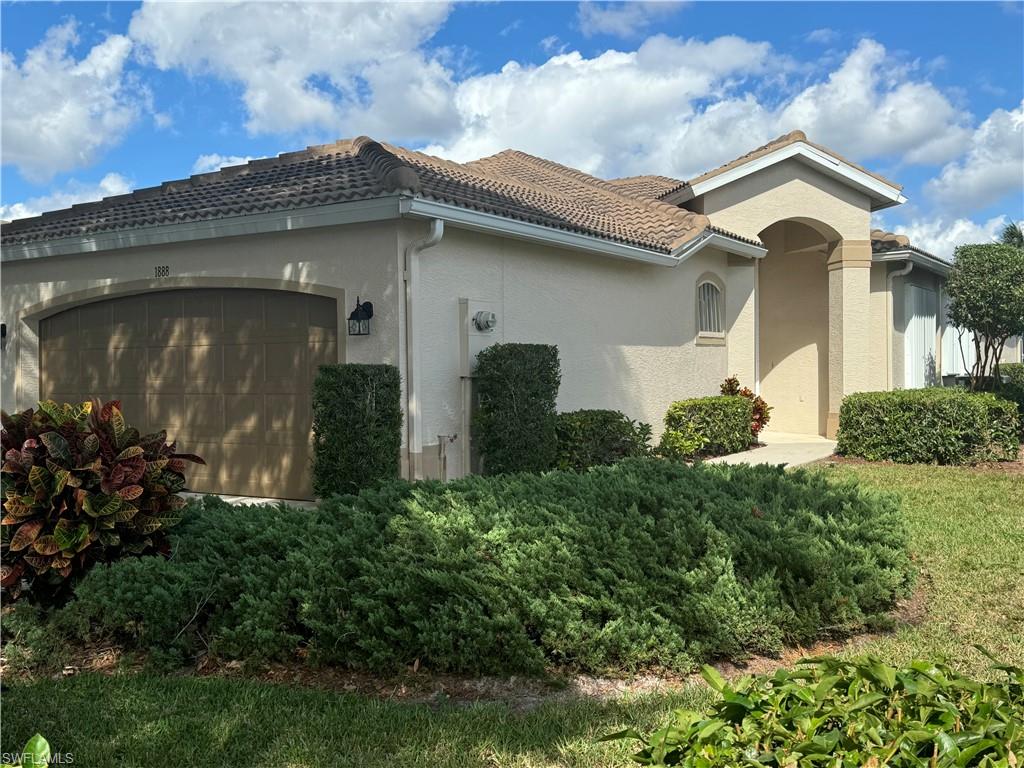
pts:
[163, 319]
[203, 315]
[244, 367]
[227, 373]
[95, 369]
[61, 371]
[166, 367]
[128, 369]
[61, 330]
[94, 325]
[286, 367]
[244, 418]
[130, 327]
[204, 366]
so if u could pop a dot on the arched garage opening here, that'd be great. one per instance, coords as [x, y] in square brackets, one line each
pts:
[227, 372]
[793, 324]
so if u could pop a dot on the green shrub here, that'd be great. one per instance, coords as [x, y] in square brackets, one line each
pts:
[646, 563]
[81, 486]
[832, 712]
[514, 426]
[357, 427]
[762, 412]
[707, 426]
[943, 426]
[1012, 388]
[591, 438]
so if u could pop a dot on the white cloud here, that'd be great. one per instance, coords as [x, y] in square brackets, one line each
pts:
[303, 66]
[626, 20]
[822, 36]
[870, 108]
[73, 192]
[59, 113]
[679, 107]
[552, 44]
[617, 112]
[992, 167]
[941, 236]
[214, 162]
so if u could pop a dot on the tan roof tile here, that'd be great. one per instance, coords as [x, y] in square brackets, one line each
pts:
[656, 187]
[511, 184]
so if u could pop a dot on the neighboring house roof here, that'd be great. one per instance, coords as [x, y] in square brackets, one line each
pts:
[512, 185]
[889, 246]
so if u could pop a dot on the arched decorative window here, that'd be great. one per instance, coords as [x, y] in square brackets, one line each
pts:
[710, 312]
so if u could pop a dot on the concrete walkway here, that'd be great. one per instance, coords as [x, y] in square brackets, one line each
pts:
[238, 501]
[782, 448]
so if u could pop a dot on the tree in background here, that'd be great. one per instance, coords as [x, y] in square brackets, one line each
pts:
[1012, 235]
[986, 297]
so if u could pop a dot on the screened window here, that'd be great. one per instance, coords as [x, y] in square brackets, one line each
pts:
[709, 309]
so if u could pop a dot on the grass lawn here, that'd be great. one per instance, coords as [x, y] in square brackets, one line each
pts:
[968, 538]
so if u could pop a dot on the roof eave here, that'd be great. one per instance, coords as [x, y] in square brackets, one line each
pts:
[919, 258]
[351, 212]
[881, 194]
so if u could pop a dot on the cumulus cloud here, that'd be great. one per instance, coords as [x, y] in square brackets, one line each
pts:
[679, 107]
[73, 192]
[214, 162]
[59, 112]
[626, 20]
[309, 66]
[992, 167]
[869, 108]
[942, 235]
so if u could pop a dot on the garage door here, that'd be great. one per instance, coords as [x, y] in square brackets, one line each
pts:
[227, 372]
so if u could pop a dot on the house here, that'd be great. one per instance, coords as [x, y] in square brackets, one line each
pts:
[207, 304]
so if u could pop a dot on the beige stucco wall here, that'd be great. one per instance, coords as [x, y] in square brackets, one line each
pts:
[787, 190]
[354, 260]
[625, 331]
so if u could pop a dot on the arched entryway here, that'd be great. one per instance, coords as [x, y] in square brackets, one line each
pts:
[793, 324]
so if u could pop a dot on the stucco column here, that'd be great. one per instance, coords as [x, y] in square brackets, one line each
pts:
[849, 332]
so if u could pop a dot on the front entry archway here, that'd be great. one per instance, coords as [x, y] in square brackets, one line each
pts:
[793, 325]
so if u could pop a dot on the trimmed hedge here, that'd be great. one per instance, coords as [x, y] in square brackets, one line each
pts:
[514, 426]
[646, 563]
[936, 425]
[707, 426]
[357, 427]
[590, 438]
[1012, 388]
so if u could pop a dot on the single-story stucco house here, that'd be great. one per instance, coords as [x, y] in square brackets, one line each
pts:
[206, 304]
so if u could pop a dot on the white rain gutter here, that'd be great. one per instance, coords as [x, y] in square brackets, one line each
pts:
[521, 230]
[906, 270]
[413, 414]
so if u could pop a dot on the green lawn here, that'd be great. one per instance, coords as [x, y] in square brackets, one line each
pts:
[968, 538]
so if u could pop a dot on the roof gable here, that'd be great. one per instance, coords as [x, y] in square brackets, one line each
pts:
[795, 145]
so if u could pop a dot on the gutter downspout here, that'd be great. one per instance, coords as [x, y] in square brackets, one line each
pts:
[413, 416]
[892, 320]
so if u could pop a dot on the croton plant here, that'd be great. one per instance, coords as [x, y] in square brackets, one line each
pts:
[82, 487]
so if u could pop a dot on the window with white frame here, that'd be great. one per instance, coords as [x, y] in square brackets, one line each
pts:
[709, 310]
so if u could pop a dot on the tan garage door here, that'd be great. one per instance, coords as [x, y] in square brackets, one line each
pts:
[227, 372]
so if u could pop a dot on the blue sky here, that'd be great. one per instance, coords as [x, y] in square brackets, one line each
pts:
[99, 98]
